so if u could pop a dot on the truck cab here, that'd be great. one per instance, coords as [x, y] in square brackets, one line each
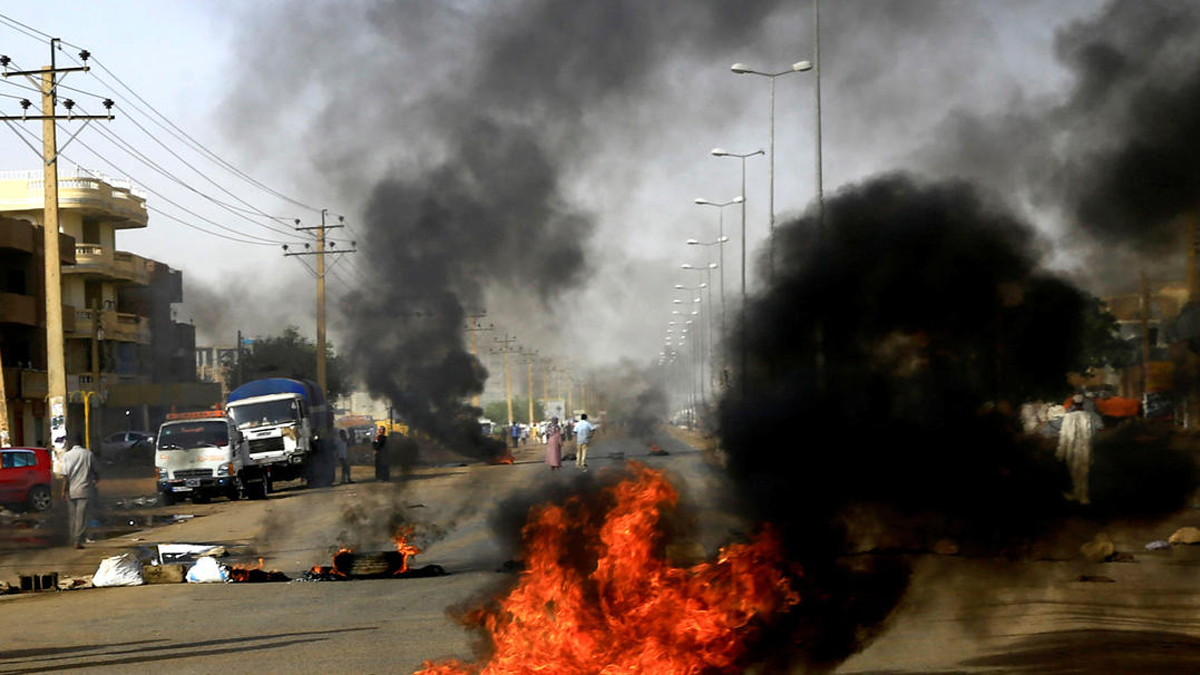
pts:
[199, 456]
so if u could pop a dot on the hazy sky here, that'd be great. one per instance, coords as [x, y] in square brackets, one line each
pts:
[320, 100]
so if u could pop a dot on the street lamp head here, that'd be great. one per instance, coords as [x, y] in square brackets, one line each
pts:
[691, 242]
[801, 66]
[712, 266]
[739, 199]
[703, 285]
[687, 266]
[719, 152]
[722, 239]
[680, 286]
[740, 68]
[677, 302]
[701, 200]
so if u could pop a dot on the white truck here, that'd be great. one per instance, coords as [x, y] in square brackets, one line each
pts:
[288, 429]
[199, 456]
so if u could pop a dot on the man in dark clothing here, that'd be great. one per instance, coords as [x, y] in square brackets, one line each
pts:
[381, 458]
[514, 431]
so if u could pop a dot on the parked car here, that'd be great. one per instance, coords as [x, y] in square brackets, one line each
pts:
[25, 477]
[126, 443]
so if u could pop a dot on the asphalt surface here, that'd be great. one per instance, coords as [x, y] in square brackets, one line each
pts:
[360, 626]
[1057, 614]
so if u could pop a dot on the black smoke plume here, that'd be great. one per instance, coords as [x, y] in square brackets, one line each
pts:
[883, 362]
[1137, 68]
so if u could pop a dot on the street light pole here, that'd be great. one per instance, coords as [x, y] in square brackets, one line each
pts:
[718, 152]
[743, 69]
[720, 242]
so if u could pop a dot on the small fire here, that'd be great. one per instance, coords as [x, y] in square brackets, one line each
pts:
[629, 610]
[506, 458]
[335, 570]
[242, 572]
[405, 548]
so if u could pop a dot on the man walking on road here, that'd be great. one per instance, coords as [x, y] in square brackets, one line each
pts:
[583, 436]
[79, 480]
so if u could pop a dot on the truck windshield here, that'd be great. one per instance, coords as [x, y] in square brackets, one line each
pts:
[263, 414]
[193, 435]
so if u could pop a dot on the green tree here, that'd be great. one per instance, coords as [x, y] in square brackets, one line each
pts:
[292, 355]
[497, 411]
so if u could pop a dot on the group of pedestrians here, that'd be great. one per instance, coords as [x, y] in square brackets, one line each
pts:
[582, 430]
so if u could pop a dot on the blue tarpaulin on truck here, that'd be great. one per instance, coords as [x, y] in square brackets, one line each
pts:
[278, 385]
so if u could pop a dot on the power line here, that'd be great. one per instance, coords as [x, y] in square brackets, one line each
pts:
[176, 204]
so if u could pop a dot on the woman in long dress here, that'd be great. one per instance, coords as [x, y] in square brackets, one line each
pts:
[554, 444]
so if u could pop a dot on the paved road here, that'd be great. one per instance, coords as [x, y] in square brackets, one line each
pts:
[360, 626]
[961, 615]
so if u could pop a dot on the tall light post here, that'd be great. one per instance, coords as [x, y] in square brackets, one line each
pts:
[707, 333]
[720, 244]
[720, 152]
[743, 69]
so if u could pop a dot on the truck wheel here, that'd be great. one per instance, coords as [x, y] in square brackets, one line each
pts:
[167, 498]
[200, 498]
[233, 493]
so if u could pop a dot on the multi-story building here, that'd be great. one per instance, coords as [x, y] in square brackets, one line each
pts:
[125, 354]
[217, 364]
[23, 325]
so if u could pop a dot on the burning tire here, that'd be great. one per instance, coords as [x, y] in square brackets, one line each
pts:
[367, 564]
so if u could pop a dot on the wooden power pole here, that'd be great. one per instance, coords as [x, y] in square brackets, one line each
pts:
[505, 349]
[320, 253]
[56, 372]
[474, 325]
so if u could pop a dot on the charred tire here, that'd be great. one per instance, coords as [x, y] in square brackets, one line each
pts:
[168, 499]
[39, 498]
[368, 564]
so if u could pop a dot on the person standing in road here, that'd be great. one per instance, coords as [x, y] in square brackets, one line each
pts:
[381, 458]
[343, 454]
[79, 482]
[514, 430]
[553, 436]
[583, 438]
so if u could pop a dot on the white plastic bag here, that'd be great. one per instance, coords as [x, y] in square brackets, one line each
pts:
[207, 571]
[119, 570]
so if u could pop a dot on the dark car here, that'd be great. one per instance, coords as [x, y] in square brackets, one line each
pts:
[25, 477]
[126, 444]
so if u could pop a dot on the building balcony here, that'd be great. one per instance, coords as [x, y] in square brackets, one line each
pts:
[18, 309]
[17, 235]
[112, 199]
[25, 383]
[99, 261]
[118, 326]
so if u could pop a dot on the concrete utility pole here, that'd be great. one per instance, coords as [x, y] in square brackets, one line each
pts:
[320, 253]
[474, 325]
[505, 349]
[5, 439]
[528, 358]
[56, 372]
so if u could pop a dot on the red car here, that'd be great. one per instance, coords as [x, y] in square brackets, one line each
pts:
[25, 477]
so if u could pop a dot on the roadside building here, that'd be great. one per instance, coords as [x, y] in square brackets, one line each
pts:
[23, 325]
[126, 356]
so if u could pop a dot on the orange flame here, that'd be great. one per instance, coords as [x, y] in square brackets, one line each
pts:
[506, 458]
[405, 548]
[334, 569]
[633, 612]
[242, 572]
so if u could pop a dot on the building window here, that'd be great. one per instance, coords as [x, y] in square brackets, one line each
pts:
[91, 231]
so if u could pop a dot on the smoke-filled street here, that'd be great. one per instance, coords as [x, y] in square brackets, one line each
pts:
[461, 514]
[600, 337]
